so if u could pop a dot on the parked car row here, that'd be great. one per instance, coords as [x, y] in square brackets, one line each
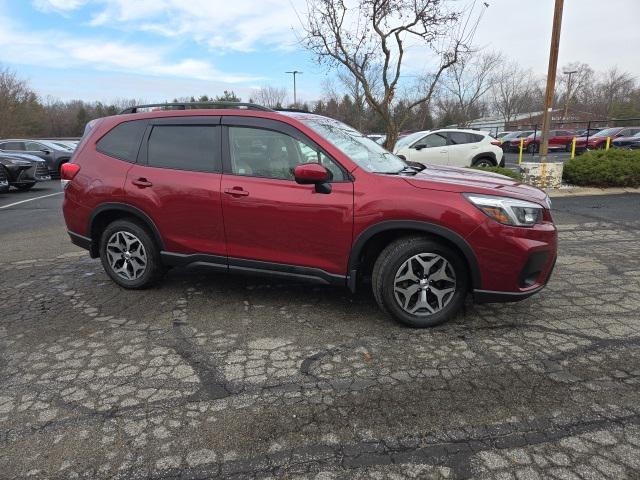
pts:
[559, 139]
[54, 152]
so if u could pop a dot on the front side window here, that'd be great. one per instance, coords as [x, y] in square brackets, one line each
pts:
[123, 141]
[433, 140]
[185, 147]
[33, 146]
[257, 152]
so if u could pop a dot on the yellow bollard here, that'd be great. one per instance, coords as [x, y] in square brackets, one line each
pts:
[573, 148]
[521, 148]
[608, 143]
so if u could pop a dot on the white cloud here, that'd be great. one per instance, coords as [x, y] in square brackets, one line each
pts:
[58, 5]
[222, 25]
[59, 50]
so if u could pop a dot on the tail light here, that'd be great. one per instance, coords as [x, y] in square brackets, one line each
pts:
[67, 172]
[497, 143]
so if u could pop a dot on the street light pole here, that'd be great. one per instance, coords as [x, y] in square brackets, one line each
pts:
[551, 79]
[295, 96]
[568, 94]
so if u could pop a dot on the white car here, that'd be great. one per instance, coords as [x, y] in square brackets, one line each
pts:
[453, 147]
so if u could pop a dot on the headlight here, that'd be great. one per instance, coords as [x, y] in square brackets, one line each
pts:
[508, 211]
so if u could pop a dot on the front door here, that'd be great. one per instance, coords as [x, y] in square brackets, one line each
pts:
[430, 150]
[272, 222]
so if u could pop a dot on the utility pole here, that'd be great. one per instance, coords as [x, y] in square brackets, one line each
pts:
[568, 94]
[295, 96]
[551, 79]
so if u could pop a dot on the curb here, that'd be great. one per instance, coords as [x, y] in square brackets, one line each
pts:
[589, 191]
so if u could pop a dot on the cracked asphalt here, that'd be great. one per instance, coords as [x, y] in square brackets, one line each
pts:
[210, 376]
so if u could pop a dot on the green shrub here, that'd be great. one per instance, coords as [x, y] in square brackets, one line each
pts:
[502, 171]
[604, 168]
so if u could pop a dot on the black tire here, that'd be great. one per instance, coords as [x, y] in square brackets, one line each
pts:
[393, 257]
[153, 270]
[532, 148]
[484, 162]
[25, 186]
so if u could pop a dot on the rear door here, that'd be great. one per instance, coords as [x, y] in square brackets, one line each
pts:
[463, 146]
[271, 222]
[176, 181]
[430, 150]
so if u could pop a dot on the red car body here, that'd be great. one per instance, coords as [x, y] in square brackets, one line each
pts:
[244, 223]
[599, 140]
[558, 139]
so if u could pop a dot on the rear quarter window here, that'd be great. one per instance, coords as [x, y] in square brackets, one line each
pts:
[123, 141]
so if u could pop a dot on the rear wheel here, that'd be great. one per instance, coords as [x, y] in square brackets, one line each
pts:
[420, 282]
[483, 162]
[532, 148]
[129, 255]
[25, 186]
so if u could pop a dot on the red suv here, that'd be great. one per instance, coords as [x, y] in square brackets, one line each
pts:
[558, 139]
[297, 195]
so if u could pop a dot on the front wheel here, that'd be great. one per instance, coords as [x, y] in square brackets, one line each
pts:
[129, 255]
[419, 281]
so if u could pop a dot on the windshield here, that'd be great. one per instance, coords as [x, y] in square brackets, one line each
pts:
[409, 139]
[360, 149]
[607, 132]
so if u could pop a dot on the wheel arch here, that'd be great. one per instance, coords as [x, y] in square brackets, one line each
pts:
[373, 239]
[108, 212]
[490, 155]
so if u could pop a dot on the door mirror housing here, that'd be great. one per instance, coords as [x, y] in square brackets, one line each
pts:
[46, 151]
[313, 174]
[419, 147]
[310, 173]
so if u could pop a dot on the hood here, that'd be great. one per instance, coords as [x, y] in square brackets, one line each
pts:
[468, 180]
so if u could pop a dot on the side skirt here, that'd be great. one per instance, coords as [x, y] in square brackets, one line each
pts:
[253, 267]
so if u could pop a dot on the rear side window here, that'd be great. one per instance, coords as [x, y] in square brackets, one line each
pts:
[185, 147]
[12, 146]
[458, 138]
[123, 141]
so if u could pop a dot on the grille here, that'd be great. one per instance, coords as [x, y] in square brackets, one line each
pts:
[42, 170]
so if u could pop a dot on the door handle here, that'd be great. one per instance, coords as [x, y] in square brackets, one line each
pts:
[142, 183]
[236, 192]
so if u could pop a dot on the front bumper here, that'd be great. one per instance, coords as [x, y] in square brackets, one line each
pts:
[515, 262]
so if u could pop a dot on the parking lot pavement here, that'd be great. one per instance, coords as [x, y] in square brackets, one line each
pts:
[240, 377]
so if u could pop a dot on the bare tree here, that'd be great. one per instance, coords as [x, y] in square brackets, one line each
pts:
[612, 90]
[369, 38]
[464, 85]
[513, 90]
[19, 106]
[574, 88]
[269, 96]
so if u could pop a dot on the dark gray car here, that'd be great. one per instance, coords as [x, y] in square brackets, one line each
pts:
[23, 171]
[4, 182]
[52, 153]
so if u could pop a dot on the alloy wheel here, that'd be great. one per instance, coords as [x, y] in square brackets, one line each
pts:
[424, 284]
[126, 255]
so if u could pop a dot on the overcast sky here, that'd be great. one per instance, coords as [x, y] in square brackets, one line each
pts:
[159, 49]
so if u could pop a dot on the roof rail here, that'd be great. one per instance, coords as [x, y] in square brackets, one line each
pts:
[296, 110]
[196, 105]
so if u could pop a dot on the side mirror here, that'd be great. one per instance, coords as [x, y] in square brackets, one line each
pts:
[419, 147]
[313, 174]
[45, 151]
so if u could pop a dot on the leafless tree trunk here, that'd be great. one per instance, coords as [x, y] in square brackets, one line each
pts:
[369, 39]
